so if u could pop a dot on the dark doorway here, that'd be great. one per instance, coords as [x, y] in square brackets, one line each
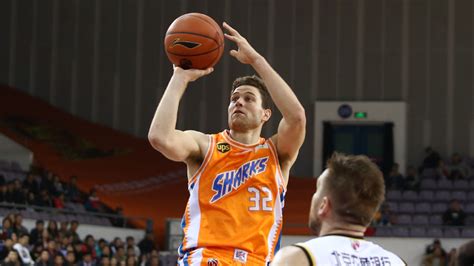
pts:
[373, 140]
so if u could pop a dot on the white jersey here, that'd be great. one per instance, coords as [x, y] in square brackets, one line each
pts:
[344, 251]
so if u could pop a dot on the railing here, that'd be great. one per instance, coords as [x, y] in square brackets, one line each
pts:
[125, 220]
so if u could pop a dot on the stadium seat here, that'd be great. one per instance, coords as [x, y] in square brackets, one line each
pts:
[409, 195]
[406, 207]
[423, 207]
[418, 232]
[445, 184]
[428, 184]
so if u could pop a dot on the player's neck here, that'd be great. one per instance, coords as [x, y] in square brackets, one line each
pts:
[248, 137]
[342, 229]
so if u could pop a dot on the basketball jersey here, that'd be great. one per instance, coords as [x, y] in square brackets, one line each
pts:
[344, 251]
[236, 201]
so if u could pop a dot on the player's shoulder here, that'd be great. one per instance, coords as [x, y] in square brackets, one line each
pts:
[291, 255]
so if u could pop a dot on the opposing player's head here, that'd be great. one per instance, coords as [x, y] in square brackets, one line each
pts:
[250, 104]
[348, 192]
[465, 254]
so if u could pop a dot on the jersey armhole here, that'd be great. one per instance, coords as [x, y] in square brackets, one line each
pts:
[311, 260]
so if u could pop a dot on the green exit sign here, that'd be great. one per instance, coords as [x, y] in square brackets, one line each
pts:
[360, 114]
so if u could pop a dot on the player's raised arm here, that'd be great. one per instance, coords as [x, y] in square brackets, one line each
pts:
[291, 130]
[175, 144]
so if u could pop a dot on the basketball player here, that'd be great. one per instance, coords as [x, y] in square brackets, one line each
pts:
[348, 193]
[236, 179]
[465, 254]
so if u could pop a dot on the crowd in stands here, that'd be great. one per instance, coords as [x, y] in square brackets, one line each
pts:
[406, 192]
[40, 188]
[53, 244]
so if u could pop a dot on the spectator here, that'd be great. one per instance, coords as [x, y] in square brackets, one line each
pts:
[43, 259]
[63, 228]
[7, 247]
[70, 258]
[411, 180]
[105, 261]
[132, 261]
[87, 260]
[130, 242]
[89, 241]
[435, 258]
[58, 260]
[47, 183]
[36, 252]
[44, 200]
[4, 193]
[147, 244]
[59, 201]
[120, 255]
[93, 202]
[18, 227]
[18, 194]
[7, 228]
[457, 168]
[2, 180]
[431, 247]
[58, 186]
[118, 221]
[73, 231]
[395, 178]
[53, 230]
[71, 190]
[52, 250]
[451, 257]
[12, 259]
[22, 248]
[442, 171]
[431, 159]
[31, 184]
[454, 215]
[465, 254]
[37, 232]
[387, 217]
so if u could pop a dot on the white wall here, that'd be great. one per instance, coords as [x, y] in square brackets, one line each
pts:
[12, 151]
[394, 112]
[409, 249]
[105, 232]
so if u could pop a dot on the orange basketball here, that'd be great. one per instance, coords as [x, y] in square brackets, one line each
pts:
[194, 40]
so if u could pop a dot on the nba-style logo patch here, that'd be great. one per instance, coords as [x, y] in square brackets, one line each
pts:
[240, 255]
[212, 262]
[223, 147]
[355, 244]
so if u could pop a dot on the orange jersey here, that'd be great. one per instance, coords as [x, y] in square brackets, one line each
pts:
[235, 204]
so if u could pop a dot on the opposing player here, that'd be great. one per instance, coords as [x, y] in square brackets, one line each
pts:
[236, 179]
[348, 193]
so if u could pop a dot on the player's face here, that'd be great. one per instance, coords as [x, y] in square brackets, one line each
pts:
[314, 217]
[245, 109]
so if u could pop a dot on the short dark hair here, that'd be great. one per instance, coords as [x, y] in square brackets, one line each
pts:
[258, 83]
[465, 254]
[356, 187]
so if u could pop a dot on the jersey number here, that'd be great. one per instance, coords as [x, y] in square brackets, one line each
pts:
[260, 203]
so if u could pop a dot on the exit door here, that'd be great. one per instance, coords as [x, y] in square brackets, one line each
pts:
[373, 140]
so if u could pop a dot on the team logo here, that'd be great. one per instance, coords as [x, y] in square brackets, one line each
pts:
[212, 262]
[355, 244]
[223, 147]
[240, 255]
[187, 44]
[226, 182]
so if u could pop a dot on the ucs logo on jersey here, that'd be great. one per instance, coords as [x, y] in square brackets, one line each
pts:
[240, 255]
[355, 244]
[226, 182]
[223, 147]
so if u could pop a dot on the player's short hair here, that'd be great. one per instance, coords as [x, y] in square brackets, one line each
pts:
[258, 83]
[465, 254]
[356, 187]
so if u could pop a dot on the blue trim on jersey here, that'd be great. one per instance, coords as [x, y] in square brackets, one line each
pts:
[277, 247]
[185, 260]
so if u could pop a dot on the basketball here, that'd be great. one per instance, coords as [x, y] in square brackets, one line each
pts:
[194, 40]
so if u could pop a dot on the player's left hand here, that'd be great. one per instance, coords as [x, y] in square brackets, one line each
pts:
[245, 52]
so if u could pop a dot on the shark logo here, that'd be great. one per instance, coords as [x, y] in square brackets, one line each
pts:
[187, 44]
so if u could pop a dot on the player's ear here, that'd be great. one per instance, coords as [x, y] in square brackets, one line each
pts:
[324, 207]
[267, 113]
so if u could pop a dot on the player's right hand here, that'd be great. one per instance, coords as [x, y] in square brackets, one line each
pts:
[189, 75]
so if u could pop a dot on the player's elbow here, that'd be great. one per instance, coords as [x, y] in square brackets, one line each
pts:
[298, 119]
[157, 141]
